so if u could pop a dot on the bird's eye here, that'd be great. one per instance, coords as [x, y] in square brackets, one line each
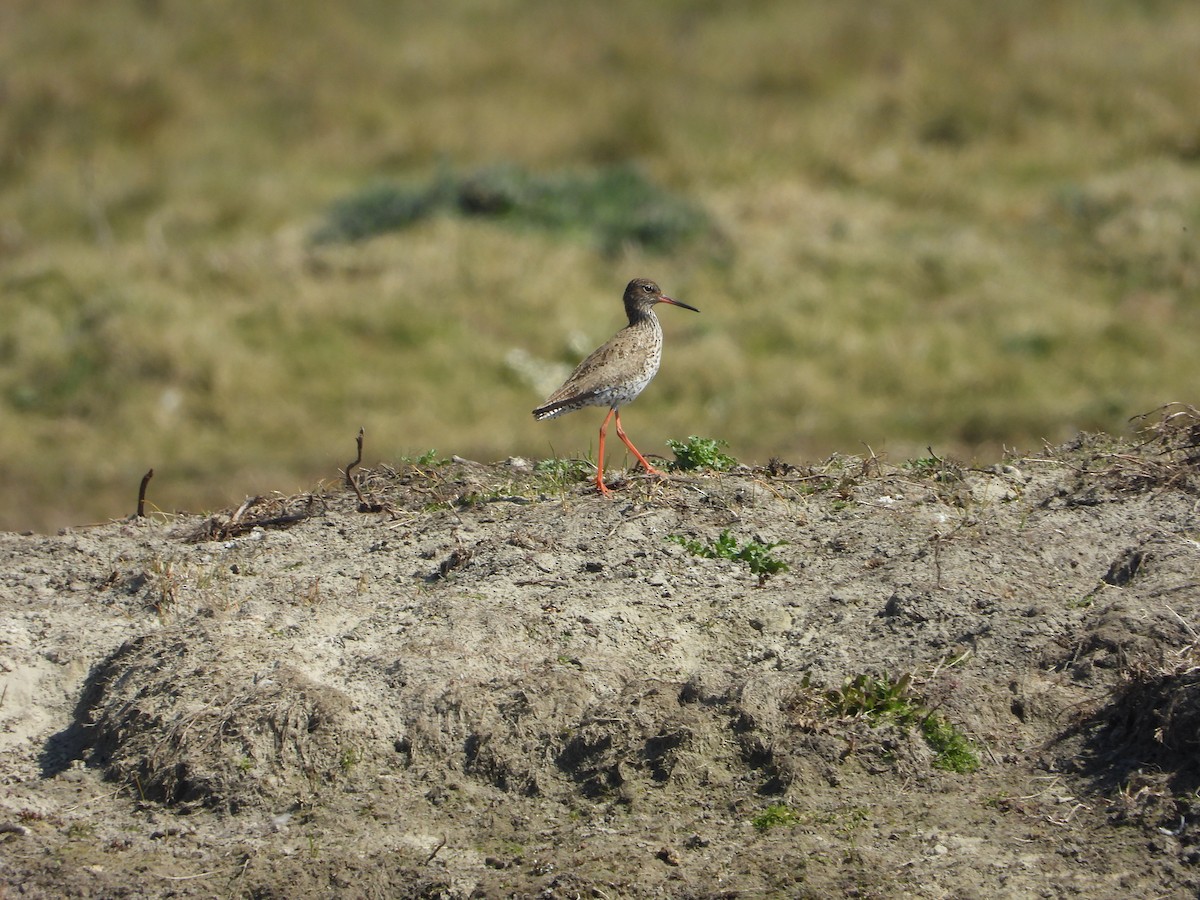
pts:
[648, 288]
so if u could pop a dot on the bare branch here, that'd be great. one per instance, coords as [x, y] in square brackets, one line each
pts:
[141, 507]
[363, 505]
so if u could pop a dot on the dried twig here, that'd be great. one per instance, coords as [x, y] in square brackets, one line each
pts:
[363, 505]
[936, 540]
[872, 462]
[436, 850]
[255, 513]
[141, 507]
[91, 800]
[241, 510]
[188, 877]
[357, 461]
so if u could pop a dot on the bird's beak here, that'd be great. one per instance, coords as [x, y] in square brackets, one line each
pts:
[665, 299]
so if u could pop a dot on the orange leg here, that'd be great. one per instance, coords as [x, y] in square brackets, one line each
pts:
[600, 486]
[629, 444]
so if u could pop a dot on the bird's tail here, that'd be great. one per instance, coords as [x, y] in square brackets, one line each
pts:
[566, 405]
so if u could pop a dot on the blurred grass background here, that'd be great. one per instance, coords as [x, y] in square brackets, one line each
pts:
[939, 223]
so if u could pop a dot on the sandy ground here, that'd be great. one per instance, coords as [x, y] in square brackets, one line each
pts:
[491, 682]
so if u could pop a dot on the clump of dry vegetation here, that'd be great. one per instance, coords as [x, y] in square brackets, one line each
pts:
[1171, 453]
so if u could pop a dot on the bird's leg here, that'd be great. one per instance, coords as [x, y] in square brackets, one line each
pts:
[629, 444]
[600, 486]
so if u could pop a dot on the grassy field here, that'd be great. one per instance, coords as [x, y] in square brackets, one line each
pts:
[922, 224]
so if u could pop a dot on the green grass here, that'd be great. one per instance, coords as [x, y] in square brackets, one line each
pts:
[559, 474]
[933, 224]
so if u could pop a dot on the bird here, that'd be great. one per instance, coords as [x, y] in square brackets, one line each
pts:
[616, 373]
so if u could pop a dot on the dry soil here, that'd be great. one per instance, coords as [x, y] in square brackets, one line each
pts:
[485, 680]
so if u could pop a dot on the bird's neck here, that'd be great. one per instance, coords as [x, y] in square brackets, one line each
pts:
[642, 317]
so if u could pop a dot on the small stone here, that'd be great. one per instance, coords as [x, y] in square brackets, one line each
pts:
[667, 855]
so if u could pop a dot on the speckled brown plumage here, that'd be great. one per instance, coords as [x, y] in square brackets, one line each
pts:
[617, 372]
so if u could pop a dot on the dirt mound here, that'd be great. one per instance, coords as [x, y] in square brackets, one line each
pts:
[1153, 724]
[187, 719]
[852, 679]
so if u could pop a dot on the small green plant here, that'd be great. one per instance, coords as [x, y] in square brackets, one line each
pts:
[700, 453]
[724, 548]
[773, 816]
[758, 557]
[926, 465]
[755, 555]
[935, 467]
[430, 458]
[874, 698]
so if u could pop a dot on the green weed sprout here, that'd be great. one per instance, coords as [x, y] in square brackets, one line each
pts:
[877, 698]
[773, 816]
[755, 555]
[700, 453]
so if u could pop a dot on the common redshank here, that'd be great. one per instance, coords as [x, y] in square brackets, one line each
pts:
[620, 370]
